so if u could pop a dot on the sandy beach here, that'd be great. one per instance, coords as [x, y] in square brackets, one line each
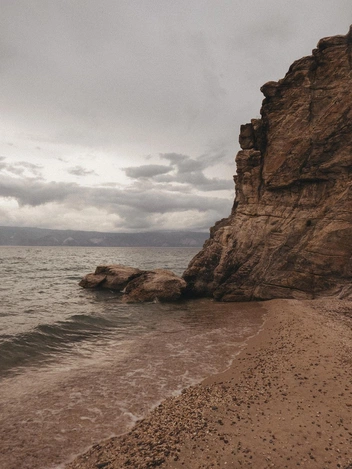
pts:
[286, 402]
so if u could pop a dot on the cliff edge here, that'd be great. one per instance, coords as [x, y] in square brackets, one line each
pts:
[290, 231]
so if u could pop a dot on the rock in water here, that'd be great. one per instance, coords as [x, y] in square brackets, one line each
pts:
[136, 285]
[290, 231]
[158, 284]
[113, 277]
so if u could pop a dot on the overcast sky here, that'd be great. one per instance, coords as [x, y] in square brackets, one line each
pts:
[123, 115]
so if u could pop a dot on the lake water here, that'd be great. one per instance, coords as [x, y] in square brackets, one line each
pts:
[78, 366]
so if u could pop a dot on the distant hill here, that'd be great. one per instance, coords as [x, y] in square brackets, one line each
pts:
[19, 236]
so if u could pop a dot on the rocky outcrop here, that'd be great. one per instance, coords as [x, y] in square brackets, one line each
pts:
[136, 285]
[290, 231]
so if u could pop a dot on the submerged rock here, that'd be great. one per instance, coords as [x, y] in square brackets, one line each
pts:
[290, 231]
[135, 284]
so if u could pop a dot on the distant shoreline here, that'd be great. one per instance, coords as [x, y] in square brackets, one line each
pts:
[40, 237]
[285, 402]
[96, 247]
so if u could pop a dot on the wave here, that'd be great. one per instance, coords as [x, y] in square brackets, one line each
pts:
[46, 341]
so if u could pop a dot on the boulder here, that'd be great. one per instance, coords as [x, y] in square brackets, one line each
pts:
[113, 277]
[92, 281]
[159, 284]
[289, 234]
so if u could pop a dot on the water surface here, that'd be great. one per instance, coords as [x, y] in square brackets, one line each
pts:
[78, 366]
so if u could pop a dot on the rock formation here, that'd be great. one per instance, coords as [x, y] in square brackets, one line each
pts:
[290, 231]
[136, 285]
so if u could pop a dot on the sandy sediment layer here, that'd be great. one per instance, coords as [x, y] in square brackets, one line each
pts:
[286, 402]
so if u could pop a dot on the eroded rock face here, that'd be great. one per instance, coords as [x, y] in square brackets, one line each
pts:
[290, 231]
[136, 285]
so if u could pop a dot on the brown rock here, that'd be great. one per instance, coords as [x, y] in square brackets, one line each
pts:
[158, 284]
[113, 277]
[290, 231]
[137, 285]
[92, 281]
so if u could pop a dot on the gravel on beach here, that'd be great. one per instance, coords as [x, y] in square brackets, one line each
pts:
[286, 402]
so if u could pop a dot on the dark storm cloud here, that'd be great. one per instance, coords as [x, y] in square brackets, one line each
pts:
[80, 171]
[146, 171]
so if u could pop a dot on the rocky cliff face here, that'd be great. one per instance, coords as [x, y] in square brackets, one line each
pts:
[290, 231]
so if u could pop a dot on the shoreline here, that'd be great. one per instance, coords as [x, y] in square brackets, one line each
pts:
[286, 401]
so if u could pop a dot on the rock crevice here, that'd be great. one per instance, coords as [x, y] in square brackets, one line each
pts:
[290, 230]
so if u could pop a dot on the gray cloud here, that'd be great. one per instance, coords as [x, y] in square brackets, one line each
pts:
[190, 171]
[183, 171]
[80, 171]
[20, 168]
[35, 169]
[31, 191]
[146, 171]
[122, 72]
[184, 163]
[197, 180]
[118, 80]
[215, 154]
[131, 204]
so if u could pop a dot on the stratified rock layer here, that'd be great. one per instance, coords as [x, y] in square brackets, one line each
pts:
[290, 231]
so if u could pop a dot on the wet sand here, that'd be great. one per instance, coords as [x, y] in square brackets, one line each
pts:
[286, 402]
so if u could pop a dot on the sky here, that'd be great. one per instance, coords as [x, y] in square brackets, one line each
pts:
[124, 115]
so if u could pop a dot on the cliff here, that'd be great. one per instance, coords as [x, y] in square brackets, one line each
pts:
[290, 231]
